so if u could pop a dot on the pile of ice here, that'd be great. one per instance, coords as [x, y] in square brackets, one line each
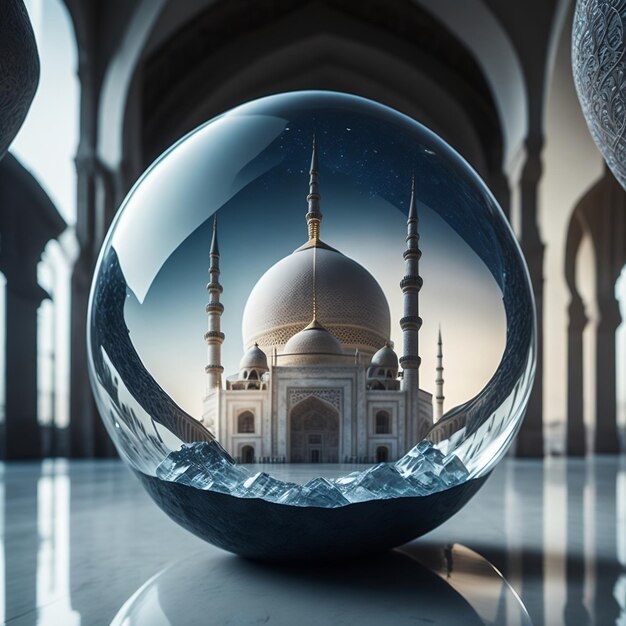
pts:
[422, 471]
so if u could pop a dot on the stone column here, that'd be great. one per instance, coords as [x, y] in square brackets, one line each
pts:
[606, 436]
[575, 439]
[530, 438]
[88, 436]
[23, 297]
[82, 407]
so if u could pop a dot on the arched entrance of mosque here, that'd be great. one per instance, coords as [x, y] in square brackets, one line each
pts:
[247, 454]
[314, 432]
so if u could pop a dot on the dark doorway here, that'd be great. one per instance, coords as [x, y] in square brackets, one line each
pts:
[314, 436]
[247, 454]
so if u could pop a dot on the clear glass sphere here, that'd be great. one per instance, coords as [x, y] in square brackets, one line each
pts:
[367, 305]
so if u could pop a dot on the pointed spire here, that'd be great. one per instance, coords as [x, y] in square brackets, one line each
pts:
[413, 203]
[314, 214]
[439, 397]
[214, 337]
[412, 237]
[215, 250]
[411, 285]
[314, 158]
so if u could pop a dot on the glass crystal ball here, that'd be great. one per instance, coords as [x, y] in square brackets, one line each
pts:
[311, 329]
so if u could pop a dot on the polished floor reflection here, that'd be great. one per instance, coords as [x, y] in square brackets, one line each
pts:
[78, 539]
[414, 584]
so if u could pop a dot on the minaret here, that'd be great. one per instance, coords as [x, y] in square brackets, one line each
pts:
[411, 322]
[314, 214]
[439, 397]
[214, 337]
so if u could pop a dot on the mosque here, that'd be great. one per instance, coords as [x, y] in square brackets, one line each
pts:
[320, 380]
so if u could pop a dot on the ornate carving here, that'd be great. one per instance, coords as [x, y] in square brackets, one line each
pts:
[599, 66]
[334, 397]
[346, 335]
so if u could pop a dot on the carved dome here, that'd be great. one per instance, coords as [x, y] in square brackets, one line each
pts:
[386, 358]
[350, 303]
[313, 345]
[254, 358]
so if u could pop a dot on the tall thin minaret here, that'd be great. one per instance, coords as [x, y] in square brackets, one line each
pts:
[314, 214]
[214, 337]
[411, 322]
[439, 397]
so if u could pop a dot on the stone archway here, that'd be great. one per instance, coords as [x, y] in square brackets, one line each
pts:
[28, 220]
[599, 214]
[313, 432]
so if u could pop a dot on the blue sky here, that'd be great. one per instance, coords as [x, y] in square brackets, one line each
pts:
[261, 220]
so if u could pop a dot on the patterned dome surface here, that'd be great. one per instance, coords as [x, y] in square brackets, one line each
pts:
[350, 303]
[385, 357]
[254, 358]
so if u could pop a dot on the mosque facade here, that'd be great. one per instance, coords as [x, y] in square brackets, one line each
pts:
[320, 380]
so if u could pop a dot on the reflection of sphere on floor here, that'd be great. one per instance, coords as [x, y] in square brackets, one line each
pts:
[330, 302]
[433, 585]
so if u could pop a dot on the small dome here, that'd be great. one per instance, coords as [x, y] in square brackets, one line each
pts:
[254, 358]
[386, 358]
[311, 345]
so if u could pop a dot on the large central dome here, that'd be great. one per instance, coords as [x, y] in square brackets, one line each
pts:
[349, 302]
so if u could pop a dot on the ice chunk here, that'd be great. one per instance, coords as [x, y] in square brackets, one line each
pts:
[351, 489]
[200, 454]
[424, 483]
[262, 485]
[434, 456]
[317, 492]
[291, 496]
[224, 478]
[347, 480]
[453, 471]
[358, 494]
[410, 463]
[421, 458]
[203, 465]
[422, 471]
[384, 481]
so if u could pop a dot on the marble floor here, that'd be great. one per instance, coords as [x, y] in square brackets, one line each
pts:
[80, 538]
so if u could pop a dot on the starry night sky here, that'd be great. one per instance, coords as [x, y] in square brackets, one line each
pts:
[251, 166]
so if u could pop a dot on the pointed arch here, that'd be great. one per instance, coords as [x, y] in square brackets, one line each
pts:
[600, 214]
[314, 431]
